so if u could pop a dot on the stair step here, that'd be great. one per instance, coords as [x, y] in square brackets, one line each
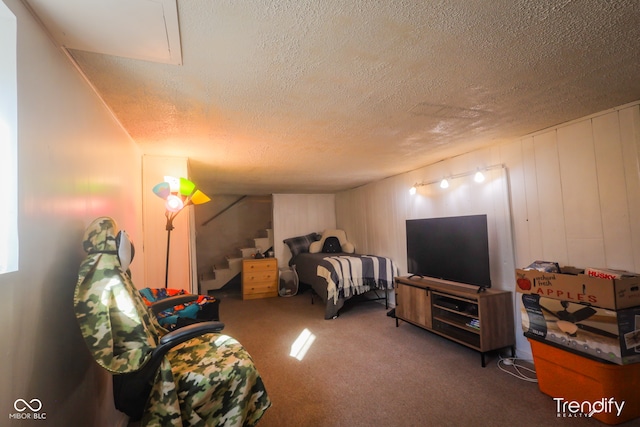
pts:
[262, 243]
[235, 264]
[248, 252]
[220, 276]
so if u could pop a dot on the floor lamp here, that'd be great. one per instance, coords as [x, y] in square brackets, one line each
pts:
[178, 193]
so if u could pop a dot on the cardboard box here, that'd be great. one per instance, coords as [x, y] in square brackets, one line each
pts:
[614, 294]
[608, 335]
[579, 384]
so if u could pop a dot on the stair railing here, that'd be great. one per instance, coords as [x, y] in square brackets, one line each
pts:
[224, 210]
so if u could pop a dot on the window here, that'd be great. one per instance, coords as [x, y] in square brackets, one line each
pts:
[8, 142]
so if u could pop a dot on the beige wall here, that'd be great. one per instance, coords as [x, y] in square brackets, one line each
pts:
[572, 195]
[75, 163]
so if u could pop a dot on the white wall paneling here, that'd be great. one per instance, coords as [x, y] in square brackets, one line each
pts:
[616, 239]
[569, 194]
[549, 197]
[629, 119]
[532, 231]
[581, 201]
[298, 215]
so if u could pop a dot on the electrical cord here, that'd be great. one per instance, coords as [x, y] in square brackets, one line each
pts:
[519, 371]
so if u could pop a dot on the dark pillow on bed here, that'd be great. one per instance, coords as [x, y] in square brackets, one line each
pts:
[331, 245]
[300, 244]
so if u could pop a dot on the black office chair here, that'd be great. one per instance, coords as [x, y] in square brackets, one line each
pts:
[190, 376]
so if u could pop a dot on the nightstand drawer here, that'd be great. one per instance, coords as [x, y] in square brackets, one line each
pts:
[259, 278]
[259, 290]
[266, 264]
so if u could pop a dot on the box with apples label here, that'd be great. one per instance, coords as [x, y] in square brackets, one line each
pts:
[605, 292]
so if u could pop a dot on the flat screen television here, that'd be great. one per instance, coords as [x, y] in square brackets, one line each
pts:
[450, 248]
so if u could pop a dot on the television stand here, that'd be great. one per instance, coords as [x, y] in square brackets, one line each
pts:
[481, 320]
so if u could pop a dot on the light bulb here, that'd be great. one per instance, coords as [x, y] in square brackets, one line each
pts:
[174, 203]
[479, 177]
[444, 183]
[413, 190]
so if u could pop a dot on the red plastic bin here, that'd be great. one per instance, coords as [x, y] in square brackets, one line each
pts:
[562, 374]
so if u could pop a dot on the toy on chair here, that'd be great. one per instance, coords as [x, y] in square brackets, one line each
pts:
[180, 312]
[190, 376]
[173, 308]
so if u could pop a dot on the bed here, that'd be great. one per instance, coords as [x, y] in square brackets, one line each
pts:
[337, 277]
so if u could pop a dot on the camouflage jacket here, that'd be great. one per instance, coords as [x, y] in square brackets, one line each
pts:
[209, 380]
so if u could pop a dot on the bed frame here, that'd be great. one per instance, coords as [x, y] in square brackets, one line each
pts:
[306, 266]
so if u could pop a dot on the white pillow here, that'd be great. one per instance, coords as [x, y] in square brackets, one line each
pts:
[348, 247]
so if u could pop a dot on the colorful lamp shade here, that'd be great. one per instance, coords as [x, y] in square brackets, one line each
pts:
[162, 190]
[178, 193]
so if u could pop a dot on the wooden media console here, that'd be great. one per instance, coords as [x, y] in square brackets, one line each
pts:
[479, 319]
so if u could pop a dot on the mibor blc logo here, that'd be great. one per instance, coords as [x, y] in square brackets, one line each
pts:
[28, 410]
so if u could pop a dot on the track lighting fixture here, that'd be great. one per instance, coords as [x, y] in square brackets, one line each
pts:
[478, 176]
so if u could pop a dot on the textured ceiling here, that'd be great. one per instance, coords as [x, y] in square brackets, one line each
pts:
[320, 96]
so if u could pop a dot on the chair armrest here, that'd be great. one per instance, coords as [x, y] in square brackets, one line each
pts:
[185, 333]
[163, 304]
[178, 336]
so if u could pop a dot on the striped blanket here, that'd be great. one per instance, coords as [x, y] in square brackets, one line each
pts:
[353, 275]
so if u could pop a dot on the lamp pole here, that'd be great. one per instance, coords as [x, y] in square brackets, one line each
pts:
[166, 269]
[169, 227]
[184, 194]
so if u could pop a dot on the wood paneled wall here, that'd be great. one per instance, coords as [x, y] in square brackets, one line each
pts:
[575, 192]
[569, 194]
[298, 215]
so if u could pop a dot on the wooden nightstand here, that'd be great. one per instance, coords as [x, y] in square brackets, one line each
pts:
[259, 278]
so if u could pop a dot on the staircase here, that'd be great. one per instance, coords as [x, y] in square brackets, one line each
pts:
[222, 276]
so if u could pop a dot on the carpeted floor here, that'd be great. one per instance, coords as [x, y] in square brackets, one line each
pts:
[363, 371]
